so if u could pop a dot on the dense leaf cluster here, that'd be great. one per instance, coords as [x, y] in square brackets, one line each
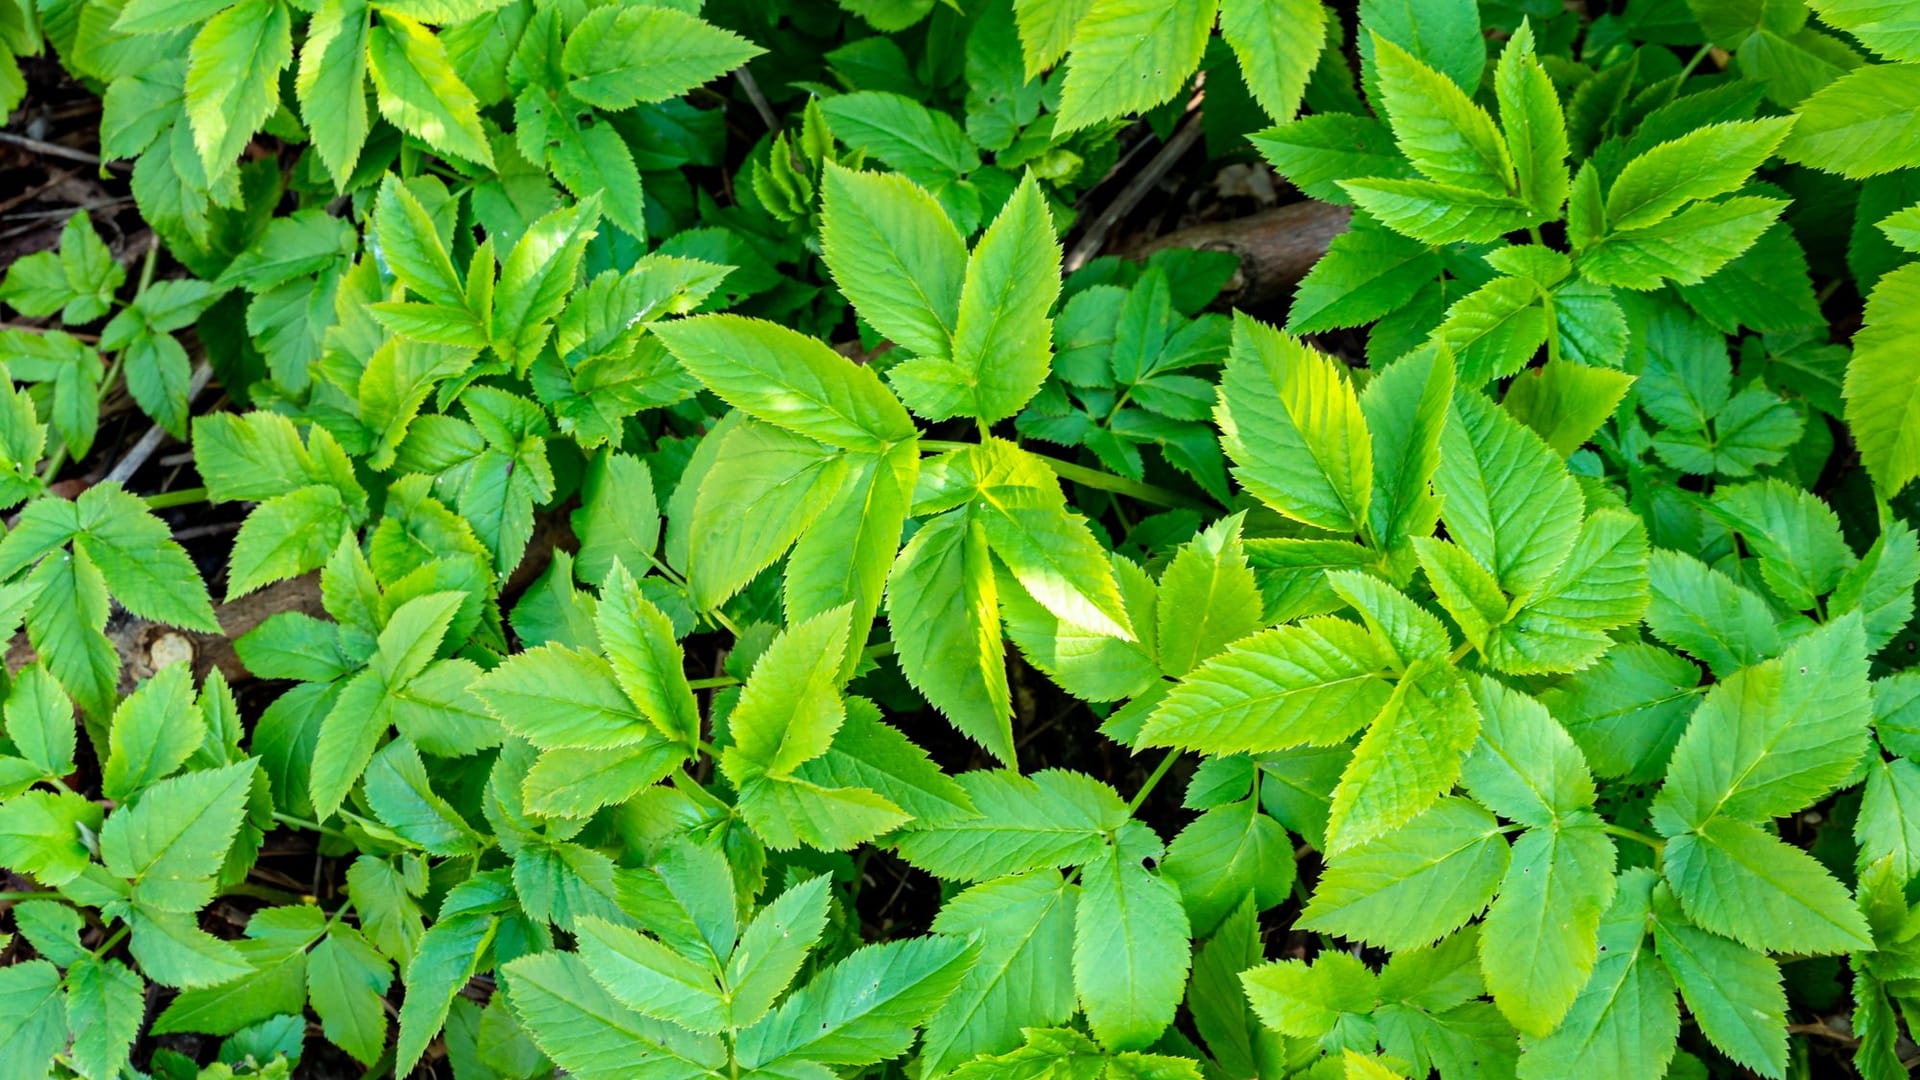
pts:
[1525, 610]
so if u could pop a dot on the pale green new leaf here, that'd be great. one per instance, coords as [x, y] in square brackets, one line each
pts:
[1409, 757]
[791, 706]
[418, 91]
[790, 380]
[155, 730]
[943, 609]
[1315, 683]
[1524, 767]
[1278, 43]
[1446, 136]
[1686, 248]
[1860, 124]
[1506, 496]
[1208, 598]
[1705, 162]
[650, 978]
[639, 642]
[233, 78]
[620, 56]
[764, 490]
[179, 831]
[1130, 55]
[1292, 424]
[895, 254]
[772, 948]
[1535, 128]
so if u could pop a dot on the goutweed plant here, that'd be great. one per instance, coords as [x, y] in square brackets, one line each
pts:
[1512, 633]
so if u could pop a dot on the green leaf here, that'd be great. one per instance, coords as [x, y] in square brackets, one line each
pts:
[618, 520]
[1409, 757]
[1525, 767]
[1315, 683]
[1882, 391]
[1293, 427]
[1891, 30]
[1416, 884]
[646, 660]
[896, 256]
[331, 85]
[1708, 161]
[1773, 737]
[650, 978]
[789, 380]
[1565, 403]
[1889, 823]
[1208, 598]
[772, 948]
[40, 721]
[418, 91]
[1625, 1021]
[1094, 666]
[1002, 337]
[1733, 992]
[1859, 124]
[411, 245]
[1797, 538]
[1507, 498]
[1052, 818]
[155, 730]
[1308, 1001]
[536, 278]
[1317, 152]
[1224, 855]
[41, 834]
[1685, 248]
[171, 948]
[1701, 610]
[1448, 138]
[845, 555]
[1734, 879]
[766, 488]
[1368, 272]
[1130, 947]
[1406, 428]
[147, 571]
[1600, 587]
[1130, 55]
[177, 834]
[33, 1021]
[943, 609]
[617, 58]
[1046, 29]
[862, 1009]
[1025, 924]
[233, 78]
[403, 799]
[1535, 128]
[105, 1005]
[592, 1036]
[556, 698]
[1278, 43]
[347, 980]
[790, 707]
[1539, 940]
[284, 537]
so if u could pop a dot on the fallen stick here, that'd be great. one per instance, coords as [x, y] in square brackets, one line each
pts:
[1276, 247]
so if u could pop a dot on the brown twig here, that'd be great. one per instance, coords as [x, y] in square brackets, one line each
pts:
[1276, 247]
[1095, 236]
[49, 149]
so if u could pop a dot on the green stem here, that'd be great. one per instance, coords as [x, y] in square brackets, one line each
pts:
[18, 897]
[1093, 478]
[1658, 845]
[114, 939]
[182, 497]
[1153, 781]
[310, 826]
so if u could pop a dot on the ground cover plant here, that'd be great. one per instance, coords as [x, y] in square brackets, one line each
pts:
[802, 539]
